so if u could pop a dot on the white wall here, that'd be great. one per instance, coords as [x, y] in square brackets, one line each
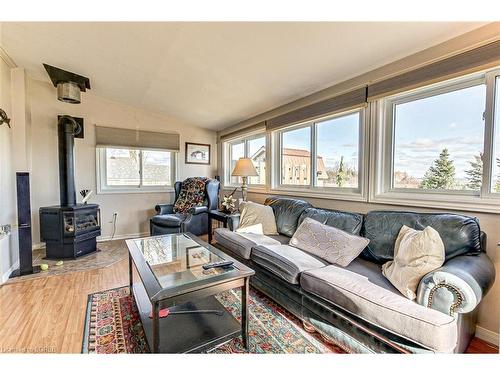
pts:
[134, 210]
[8, 245]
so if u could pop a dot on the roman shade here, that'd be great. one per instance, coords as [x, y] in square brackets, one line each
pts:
[240, 132]
[463, 63]
[130, 138]
[342, 102]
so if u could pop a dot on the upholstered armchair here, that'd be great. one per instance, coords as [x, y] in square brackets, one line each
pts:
[195, 220]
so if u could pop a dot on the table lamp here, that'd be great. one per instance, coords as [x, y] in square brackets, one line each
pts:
[244, 168]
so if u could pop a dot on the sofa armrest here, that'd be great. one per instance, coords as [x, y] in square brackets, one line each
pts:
[233, 222]
[163, 209]
[198, 210]
[459, 285]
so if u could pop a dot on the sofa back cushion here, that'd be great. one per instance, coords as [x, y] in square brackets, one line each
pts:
[460, 234]
[347, 221]
[287, 212]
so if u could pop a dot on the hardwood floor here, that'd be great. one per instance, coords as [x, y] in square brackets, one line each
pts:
[47, 314]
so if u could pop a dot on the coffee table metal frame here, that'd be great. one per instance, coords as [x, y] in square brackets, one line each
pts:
[161, 298]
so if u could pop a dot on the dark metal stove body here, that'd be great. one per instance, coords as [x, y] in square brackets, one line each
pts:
[70, 231]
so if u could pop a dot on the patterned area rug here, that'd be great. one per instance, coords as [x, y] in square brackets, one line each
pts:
[113, 325]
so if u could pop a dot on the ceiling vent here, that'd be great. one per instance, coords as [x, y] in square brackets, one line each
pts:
[69, 85]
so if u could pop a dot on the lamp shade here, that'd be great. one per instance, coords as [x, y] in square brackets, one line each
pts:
[244, 168]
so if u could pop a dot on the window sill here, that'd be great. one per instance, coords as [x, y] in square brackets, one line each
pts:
[305, 193]
[458, 202]
[135, 191]
[320, 193]
[251, 188]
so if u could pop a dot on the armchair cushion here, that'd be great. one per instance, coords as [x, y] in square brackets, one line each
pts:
[459, 285]
[192, 194]
[169, 220]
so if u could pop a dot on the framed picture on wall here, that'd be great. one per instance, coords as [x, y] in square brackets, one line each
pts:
[197, 153]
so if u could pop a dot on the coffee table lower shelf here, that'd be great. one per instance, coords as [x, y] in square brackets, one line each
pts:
[188, 333]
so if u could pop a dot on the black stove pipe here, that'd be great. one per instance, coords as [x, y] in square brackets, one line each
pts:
[67, 128]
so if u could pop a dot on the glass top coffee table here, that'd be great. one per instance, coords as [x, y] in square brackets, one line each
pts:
[175, 294]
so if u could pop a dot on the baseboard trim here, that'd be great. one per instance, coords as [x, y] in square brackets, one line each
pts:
[123, 236]
[41, 245]
[487, 335]
[7, 273]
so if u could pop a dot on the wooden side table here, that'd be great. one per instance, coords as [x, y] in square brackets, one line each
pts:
[218, 216]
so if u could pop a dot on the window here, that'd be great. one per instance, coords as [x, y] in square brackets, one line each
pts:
[257, 152]
[253, 147]
[438, 140]
[324, 156]
[236, 151]
[122, 169]
[296, 157]
[438, 145]
[337, 144]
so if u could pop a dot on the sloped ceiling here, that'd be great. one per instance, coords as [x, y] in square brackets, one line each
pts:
[216, 74]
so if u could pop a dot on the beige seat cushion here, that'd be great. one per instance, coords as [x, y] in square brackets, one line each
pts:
[254, 213]
[416, 253]
[285, 261]
[327, 242]
[374, 302]
[241, 244]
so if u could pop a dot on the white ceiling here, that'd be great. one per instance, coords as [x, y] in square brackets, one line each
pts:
[216, 74]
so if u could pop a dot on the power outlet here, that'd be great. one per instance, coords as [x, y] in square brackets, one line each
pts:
[114, 217]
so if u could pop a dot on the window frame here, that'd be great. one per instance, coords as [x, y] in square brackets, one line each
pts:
[489, 134]
[101, 171]
[382, 147]
[245, 139]
[312, 190]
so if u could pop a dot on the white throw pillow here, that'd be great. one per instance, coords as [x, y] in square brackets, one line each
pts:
[416, 253]
[255, 213]
[329, 243]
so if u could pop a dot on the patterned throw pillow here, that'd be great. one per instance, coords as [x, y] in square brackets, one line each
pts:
[328, 243]
[192, 194]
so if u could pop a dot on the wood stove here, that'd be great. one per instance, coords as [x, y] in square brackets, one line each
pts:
[70, 229]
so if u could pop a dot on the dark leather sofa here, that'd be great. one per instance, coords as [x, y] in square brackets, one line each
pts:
[356, 307]
[195, 221]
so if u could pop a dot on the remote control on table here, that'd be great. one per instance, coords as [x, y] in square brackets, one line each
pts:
[224, 263]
